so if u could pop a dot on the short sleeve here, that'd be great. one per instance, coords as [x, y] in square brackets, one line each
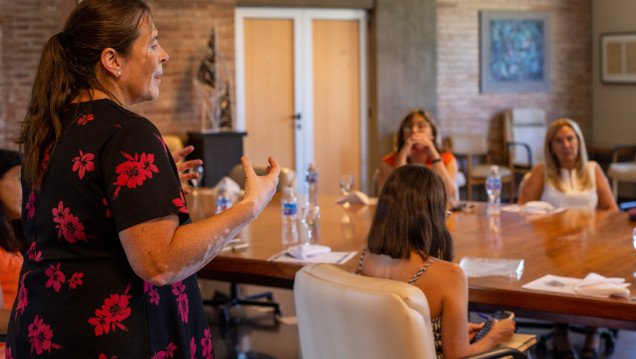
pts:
[141, 178]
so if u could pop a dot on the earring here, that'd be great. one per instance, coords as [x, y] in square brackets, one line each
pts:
[119, 73]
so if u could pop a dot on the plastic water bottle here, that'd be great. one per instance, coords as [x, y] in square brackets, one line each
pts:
[223, 201]
[289, 214]
[493, 189]
[311, 184]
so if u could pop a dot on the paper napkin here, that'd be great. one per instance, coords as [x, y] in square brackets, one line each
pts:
[598, 286]
[303, 251]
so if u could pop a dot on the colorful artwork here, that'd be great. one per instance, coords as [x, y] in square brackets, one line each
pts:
[516, 50]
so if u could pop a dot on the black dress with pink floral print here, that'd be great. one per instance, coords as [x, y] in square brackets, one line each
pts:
[78, 295]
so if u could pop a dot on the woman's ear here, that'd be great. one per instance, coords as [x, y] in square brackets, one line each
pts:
[111, 62]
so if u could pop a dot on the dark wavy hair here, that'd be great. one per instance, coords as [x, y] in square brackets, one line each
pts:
[399, 135]
[11, 233]
[411, 216]
[68, 66]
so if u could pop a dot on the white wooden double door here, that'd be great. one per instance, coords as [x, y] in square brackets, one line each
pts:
[301, 90]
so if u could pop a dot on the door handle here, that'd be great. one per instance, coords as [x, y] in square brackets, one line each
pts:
[296, 118]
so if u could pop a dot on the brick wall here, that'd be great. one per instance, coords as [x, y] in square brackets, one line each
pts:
[461, 106]
[184, 27]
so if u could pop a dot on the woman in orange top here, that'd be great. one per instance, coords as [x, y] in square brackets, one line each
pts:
[416, 143]
[11, 236]
[11, 239]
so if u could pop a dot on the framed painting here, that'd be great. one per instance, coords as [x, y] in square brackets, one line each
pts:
[618, 58]
[515, 51]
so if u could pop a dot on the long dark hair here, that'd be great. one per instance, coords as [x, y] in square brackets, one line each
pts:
[399, 135]
[11, 232]
[68, 66]
[411, 216]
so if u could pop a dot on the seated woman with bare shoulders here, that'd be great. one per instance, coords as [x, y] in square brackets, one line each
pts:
[568, 180]
[409, 242]
[416, 144]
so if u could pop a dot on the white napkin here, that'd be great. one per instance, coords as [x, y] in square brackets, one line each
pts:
[357, 197]
[302, 251]
[598, 286]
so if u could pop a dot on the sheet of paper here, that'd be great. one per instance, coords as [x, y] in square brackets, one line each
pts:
[553, 283]
[331, 257]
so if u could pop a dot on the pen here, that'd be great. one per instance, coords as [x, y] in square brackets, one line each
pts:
[486, 316]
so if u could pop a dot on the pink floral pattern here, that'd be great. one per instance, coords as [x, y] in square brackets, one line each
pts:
[45, 158]
[178, 289]
[109, 213]
[206, 344]
[114, 311]
[56, 277]
[34, 255]
[23, 297]
[75, 280]
[83, 163]
[30, 206]
[181, 203]
[84, 119]
[165, 147]
[152, 292]
[41, 337]
[193, 348]
[8, 354]
[68, 225]
[168, 353]
[135, 171]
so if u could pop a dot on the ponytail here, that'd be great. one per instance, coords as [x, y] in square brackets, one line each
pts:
[67, 68]
[43, 126]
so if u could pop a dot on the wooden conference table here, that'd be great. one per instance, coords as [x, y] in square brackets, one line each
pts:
[572, 243]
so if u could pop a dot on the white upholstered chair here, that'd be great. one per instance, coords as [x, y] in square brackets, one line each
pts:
[622, 171]
[524, 135]
[345, 315]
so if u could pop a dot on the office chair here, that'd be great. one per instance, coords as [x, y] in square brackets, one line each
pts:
[345, 315]
[286, 178]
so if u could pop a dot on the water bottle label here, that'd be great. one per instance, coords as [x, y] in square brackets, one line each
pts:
[493, 184]
[289, 209]
[312, 177]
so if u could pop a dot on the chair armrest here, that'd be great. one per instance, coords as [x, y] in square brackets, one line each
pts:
[622, 150]
[524, 145]
[499, 353]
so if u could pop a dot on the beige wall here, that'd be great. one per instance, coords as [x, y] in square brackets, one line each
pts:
[613, 106]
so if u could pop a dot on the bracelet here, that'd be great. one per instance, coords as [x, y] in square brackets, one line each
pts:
[436, 160]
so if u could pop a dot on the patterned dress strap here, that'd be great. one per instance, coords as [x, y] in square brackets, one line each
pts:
[422, 270]
[359, 270]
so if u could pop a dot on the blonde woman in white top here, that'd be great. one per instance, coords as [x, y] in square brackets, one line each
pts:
[569, 180]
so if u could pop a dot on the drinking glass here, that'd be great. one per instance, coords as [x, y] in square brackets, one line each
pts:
[195, 182]
[310, 217]
[346, 184]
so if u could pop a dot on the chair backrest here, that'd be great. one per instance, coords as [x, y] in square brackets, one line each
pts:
[345, 315]
[287, 177]
[173, 143]
[528, 126]
[468, 144]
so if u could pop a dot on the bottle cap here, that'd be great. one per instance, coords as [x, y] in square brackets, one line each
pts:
[288, 190]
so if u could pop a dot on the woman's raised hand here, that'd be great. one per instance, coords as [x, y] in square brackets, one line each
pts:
[501, 331]
[260, 189]
[183, 167]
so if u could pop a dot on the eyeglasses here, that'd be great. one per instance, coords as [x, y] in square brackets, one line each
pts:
[421, 125]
